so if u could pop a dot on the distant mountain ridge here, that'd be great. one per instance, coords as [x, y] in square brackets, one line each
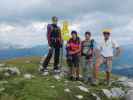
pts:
[22, 52]
[122, 65]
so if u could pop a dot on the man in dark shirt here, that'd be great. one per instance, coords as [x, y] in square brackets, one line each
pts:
[54, 42]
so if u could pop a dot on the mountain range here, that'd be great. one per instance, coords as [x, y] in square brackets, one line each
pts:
[122, 65]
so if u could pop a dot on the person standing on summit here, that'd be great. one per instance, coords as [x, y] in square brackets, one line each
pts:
[54, 42]
[107, 47]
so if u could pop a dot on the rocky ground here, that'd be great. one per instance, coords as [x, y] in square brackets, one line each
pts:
[20, 80]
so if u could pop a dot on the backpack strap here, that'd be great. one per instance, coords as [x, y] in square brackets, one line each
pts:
[92, 44]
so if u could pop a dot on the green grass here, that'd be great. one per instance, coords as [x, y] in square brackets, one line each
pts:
[39, 88]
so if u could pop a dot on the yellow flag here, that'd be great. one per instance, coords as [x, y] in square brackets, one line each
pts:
[65, 31]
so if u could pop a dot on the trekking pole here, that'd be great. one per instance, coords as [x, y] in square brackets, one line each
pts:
[61, 56]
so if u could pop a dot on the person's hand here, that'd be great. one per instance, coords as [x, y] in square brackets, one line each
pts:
[118, 52]
[49, 47]
[71, 52]
[67, 45]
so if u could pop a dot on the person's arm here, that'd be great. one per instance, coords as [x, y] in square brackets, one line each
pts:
[49, 34]
[77, 51]
[118, 51]
[117, 47]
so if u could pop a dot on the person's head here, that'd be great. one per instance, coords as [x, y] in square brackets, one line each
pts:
[54, 20]
[74, 34]
[87, 35]
[106, 34]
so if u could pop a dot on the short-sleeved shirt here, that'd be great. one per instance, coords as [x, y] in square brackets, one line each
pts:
[107, 47]
[73, 44]
[86, 46]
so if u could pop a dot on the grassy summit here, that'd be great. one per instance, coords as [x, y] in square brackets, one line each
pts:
[44, 88]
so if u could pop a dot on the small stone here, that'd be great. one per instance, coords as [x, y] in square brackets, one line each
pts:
[28, 76]
[12, 71]
[123, 79]
[97, 97]
[128, 84]
[117, 92]
[57, 77]
[84, 89]
[129, 95]
[52, 86]
[79, 97]
[2, 65]
[107, 93]
[45, 73]
[2, 89]
[6, 74]
[66, 81]
[67, 90]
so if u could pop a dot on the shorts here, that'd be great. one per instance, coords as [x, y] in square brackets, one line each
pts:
[73, 60]
[108, 63]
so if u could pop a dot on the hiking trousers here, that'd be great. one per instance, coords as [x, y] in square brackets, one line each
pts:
[56, 51]
[87, 67]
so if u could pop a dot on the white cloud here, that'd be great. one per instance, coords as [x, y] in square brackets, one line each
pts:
[6, 28]
[24, 22]
[31, 35]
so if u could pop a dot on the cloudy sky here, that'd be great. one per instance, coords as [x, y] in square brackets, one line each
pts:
[23, 22]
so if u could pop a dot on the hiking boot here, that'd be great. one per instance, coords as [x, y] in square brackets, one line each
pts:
[95, 82]
[57, 71]
[77, 78]
[90, 79]
[45, 72]
[71, 78]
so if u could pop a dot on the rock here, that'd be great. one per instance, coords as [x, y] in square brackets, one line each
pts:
[45, 73]
[129, 95]
[123, 79]
[127, 84]
[117, 92]
[52, 86]
[107, 93]
[96, 96]
[28, 76]
[81, 83]
[84, 89]
[114, 93]
[63, 74]
[79, 97]
[6, 74]
[67, 90]
[2, 65]
[2, 89]
[66, 81]
[130, 84]
[12, 71]
[57, 77]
